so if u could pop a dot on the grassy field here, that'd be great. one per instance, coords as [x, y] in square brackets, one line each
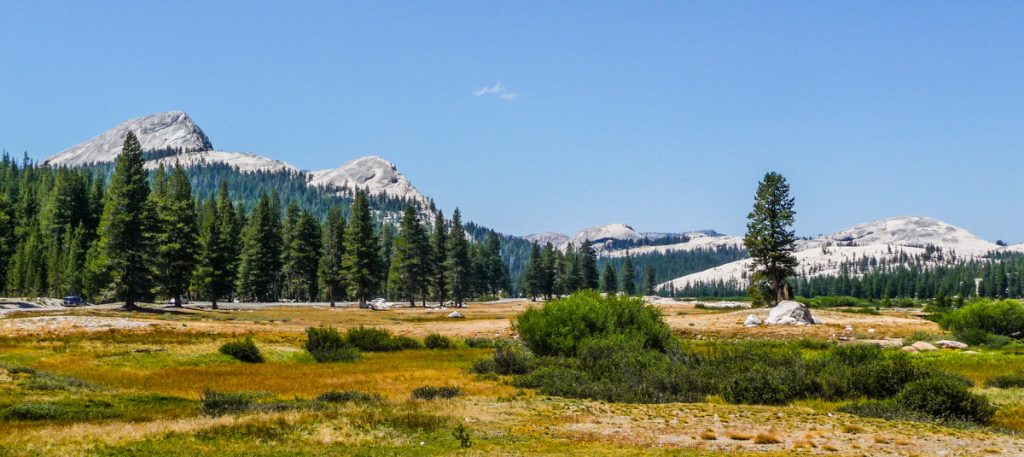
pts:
[79, 385]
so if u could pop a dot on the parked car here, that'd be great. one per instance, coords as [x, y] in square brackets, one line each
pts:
[73, 300]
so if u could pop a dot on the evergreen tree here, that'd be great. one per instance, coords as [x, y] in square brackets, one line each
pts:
[178, 237]
[573, 270]
[533, 276]
[770, 238]
[588, 266]
[609, 283]
[547, 277]
[628, 276]
[260, 263]
[458, 266]
[302, 258]
[439, 245]
[410, 257]
[333, 250]
[650, 280]
[361, 261]
[125, 230]
[215, 275]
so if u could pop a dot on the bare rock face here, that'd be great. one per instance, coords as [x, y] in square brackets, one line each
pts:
[789, 312]
[924, 346]
[752, 321]
[372, 174]
[950, 344]
[160, 131]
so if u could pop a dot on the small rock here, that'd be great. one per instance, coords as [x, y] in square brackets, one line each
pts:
[4, 376]
[924, 346]
[970, 352]
[849, 328]
[950, 344]
[456, 315]
[871, 330]
[908, 349]
[752, 321]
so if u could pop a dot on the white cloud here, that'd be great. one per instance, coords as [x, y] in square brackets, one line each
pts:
[498, 89]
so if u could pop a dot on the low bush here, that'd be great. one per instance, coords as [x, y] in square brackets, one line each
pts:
[325, 344]
[484, 366]
[41, 380]
[886, 409]
[436, 341]
[479, 342]
[378, 340]
[1006, 381]
[558, 327]
[945, 398]
[34, 412]
[431, 392]
[760, 385]
[243, 350]
[348, 396]
[1004, 317]
[512, 358]
[216, 403]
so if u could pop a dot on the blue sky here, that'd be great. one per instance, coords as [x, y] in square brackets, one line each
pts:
[662, 115]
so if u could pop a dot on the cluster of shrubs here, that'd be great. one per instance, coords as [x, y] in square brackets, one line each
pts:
[986, 322]
[326, 344]
[432, 392]
[1006, 381]
[215, 403]
[618, 349]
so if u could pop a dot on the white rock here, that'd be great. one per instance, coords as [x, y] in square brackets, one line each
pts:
[908, 349]
[456, 315]
[173, 129]
[371, 173]
[790, 312]
[924, 346]
[950, 344]
[849, 328]
[752, 321]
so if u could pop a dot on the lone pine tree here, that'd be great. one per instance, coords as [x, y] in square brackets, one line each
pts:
[770, 238]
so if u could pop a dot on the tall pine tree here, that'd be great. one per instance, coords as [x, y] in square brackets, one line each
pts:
[178, 235]
[458, 266]
[361, 260]
[770, 239]
[331, 276]
[125, 230]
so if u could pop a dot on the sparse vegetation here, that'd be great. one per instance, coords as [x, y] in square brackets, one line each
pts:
[431, 392]
[379, 340]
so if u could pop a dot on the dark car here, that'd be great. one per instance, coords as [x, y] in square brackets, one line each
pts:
[73, 300]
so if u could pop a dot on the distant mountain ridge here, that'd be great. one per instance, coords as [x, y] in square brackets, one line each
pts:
[180, 140]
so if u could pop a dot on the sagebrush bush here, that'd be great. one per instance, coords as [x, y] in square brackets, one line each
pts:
[219, 403]
[348, 396]
[1006, 381]
[945, 398]
[512, 358]
[760, 385]
[437, 341]
[479, 342]
[1004, 317]
[484, 366]
[558, 327]
[378, 340]
[432, 392]
[325, 344]
[244, 350]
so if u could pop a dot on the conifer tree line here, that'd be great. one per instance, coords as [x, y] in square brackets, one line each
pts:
[553, 273]
[139, 236]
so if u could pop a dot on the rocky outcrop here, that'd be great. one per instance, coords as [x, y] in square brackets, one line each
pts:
[789, 312]
[172, 130]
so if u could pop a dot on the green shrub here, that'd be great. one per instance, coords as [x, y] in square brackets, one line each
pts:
[348, 396]
[325, 344]
[436, 341]
[1006, 381]
[479, 342]
[378, 340]
[431, 392]
[512, 358]
[243, 350]
[558, 327]
[945, 398]
[1004, 317]
[461, 434]
[41, 380]
[484, 366]
[760, 385]
[887, 409]
[216, 403]
[34, 412]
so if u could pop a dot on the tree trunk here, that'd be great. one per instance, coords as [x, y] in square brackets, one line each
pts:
[330, 295]
[213, 303]
[177, 301]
